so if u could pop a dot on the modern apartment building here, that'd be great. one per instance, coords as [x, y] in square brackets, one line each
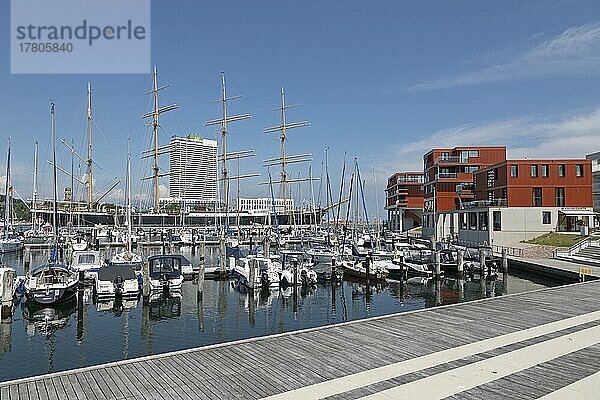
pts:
[517, 200]
[448, 183]
[404, 200]
[193, 168]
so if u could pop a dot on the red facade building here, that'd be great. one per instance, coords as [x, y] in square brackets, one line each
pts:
[404, 200]
[448, 175]
[537, 183]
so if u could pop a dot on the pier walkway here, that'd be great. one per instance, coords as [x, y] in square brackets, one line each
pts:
[542, 344]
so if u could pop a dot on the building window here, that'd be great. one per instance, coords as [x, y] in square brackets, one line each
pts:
[483, 221]
[546, 217]
[544, 170]
[579, 170]
[560, 197]
[561, 170]
[473, 153]
[497, 216]
[491, 178]
[445, 155]
[464, 156]
[537, 196]
[490, 195]
[463, 221]
[514, 171]
[473, 221]
[534, 171]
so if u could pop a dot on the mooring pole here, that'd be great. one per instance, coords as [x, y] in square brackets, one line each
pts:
[460, 261]
[200, 282]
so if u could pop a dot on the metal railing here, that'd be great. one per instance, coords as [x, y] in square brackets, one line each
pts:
[510, 251]
[453, 159]
[443, 175]
[576, 248]
[484, 203]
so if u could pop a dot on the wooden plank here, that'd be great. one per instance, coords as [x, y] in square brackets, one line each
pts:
[67, 386]
[124, 370]
[59, 390]
[97, 387]
[138, 372]
[4, 392]
[114, 378]
[41, 390]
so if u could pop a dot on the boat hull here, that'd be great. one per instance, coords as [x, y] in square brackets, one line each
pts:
[51, 295]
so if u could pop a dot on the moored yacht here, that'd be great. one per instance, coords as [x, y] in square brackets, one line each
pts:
[51, 283]
[89, 262]
[165, 271]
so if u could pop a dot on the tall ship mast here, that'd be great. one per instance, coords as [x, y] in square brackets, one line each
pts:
[157, 150]
[225, 157]
[286, 159]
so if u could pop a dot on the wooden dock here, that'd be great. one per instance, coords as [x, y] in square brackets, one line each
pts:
[542, 344]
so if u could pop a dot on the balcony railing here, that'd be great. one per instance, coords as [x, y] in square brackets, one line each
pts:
[446, 175]
[447, 160]
[484, 203]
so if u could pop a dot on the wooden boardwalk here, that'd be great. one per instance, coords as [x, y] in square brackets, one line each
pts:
[542, 344]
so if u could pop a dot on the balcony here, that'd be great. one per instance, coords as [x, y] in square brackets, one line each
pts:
[448, 160]
[446, 175]
[484, 204]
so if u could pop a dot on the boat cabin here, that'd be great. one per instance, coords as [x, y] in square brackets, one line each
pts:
[166, 266]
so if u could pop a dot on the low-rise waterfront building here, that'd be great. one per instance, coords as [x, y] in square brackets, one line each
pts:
[404, 200]
[517, 200]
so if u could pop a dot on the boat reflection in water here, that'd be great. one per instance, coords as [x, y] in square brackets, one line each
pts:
[165, 305]
[116, 305]
[46, 320]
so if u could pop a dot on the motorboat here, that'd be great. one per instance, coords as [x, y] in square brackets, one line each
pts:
[472, 260]
[165, 271]
[417, 261]
[357, 269]
[116, 280]
[304, 276]
[10, 243]
[189, 270]
[89, 262]
[51, 283]
[267, 272]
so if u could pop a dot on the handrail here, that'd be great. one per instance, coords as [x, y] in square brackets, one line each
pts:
[576, 248]
[510, 251]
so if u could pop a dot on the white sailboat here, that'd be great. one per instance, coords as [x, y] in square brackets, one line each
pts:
[9, 241]
[127, 256]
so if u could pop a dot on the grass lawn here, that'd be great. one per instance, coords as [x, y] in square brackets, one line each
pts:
[557, 239]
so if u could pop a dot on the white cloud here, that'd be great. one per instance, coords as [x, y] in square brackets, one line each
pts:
[571, 135]
[574, 51]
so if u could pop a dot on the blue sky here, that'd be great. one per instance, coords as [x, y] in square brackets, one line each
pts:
[383, 80]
